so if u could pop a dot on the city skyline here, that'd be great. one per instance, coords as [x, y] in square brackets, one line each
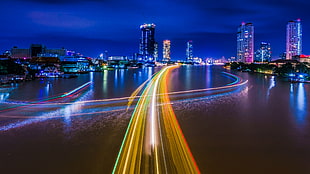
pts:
[92, 27]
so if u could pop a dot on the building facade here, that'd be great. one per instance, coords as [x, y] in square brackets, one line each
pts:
[189, 51]
[245, 43]
[166, 50]
[23, 53]
[293, 39]
[147, 42]
[37, 50]
[263, 54]
[57, 51]
[302, 58]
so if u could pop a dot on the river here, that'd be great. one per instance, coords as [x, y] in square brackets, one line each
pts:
[69, 126]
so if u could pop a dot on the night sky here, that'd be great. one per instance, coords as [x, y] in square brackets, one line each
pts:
[93, 26]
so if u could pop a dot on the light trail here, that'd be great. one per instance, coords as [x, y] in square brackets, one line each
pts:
[75, 90]
[109, 105]
[40, 102]
[153, 142]
[61, 116]
[111, 101]
[182, 156]
[130, 99]
[236, 83]
[134, 94]
[140, 151]
[33, 119]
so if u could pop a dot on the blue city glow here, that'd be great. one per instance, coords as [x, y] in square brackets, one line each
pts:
[298, 101]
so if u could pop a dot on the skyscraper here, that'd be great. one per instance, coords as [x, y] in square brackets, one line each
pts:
[189, 51]
[263, 54]
[166, 50]
[293, 39]
[147, 42]
[245, 43]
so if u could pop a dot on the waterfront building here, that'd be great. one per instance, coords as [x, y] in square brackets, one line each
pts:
[20, 53]
[36, 50]
[281, 62]
[263, 54]
[189, 51]
[75, 64]
[117, 62]
[302, 58]
[125, 58]
[245, 43]
[293, 39]
[57, 51]
[47, 55]
[166, 50]
[147, 43]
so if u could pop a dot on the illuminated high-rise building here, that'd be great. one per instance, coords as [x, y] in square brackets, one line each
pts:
[166, 50]
[147, 42]
[189, 51]
[263, 54]
[245, 43]
[293, 39]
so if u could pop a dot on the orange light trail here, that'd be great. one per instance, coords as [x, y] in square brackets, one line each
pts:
[154, 142]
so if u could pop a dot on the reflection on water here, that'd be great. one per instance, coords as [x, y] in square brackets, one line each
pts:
[116, 78]
[71, 109]
[298, 102]
[44, 109]
[105, 82]
[119, 78]
[208, 77]
[5, 93]
[229, 131]
[188, 78]
[272, 83]
[4, 96]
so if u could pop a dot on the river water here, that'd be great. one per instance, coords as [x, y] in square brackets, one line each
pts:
[260, 127]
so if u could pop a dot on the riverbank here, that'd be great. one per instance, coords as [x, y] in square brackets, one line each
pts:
[290, 72]
[11, 78]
